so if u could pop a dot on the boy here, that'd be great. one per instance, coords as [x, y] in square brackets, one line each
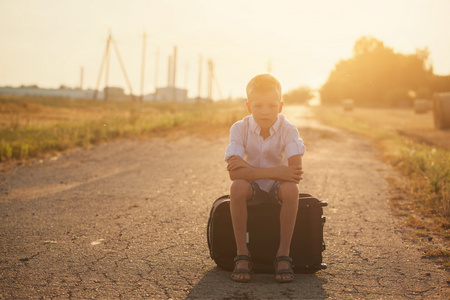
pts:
[265, 153]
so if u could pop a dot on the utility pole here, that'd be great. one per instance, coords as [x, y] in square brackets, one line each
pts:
[81, 77]
[123, 68]
[186, 75]
[107, 68]
[105, 60]
[174, 75]
[169, 72]
[210, 78]
[200, 61]
[156, 73]
[144, 37]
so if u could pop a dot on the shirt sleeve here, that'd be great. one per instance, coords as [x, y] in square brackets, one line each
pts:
[236, 146]
[294, 144]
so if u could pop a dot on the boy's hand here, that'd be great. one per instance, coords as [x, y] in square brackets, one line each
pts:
[289, 173]
[235, 162]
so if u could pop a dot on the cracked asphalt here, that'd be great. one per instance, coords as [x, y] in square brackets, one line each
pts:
[128, 220]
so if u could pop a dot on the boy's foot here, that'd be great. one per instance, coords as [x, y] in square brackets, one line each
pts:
[283, 269]
[242, 268]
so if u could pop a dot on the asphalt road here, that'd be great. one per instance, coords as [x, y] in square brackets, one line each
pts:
[128, 220]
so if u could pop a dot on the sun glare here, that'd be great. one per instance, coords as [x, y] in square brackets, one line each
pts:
[298, 41]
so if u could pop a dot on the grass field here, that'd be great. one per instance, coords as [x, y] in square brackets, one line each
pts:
[35, 127]
[421, 153]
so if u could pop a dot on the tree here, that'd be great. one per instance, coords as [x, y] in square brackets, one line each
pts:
[298, 96]
[376, 75]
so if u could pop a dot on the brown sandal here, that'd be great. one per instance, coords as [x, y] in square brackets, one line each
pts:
[287, 271]
[242, 271]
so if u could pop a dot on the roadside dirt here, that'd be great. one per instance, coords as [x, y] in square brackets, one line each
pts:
[128, 220]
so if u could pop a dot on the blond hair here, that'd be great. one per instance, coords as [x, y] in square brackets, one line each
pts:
[263, 83]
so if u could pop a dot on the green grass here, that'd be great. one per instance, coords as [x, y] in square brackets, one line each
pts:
[33, 127]
[426, 167]
[441, 256]
[429, 168]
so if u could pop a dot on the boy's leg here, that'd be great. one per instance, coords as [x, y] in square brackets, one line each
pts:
[240, 192]
[288, 195]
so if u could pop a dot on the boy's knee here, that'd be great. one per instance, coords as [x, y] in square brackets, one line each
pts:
[288, 191]
[241, 189]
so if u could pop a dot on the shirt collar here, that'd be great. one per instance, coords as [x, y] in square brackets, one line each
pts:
[254, 127]
[276, 125]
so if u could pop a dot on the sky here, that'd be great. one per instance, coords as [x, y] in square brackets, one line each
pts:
[49, 42]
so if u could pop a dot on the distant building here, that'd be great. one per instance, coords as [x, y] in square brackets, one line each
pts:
[149, 97]
[171, 94]
[168, 94]
[165, 94]
[115, 93]
[40, 92]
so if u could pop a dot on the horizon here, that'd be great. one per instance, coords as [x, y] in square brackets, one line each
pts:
[302, 40]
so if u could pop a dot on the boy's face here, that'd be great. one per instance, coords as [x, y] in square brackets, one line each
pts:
[265, 108]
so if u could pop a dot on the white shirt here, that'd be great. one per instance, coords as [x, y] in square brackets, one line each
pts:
[247, 143]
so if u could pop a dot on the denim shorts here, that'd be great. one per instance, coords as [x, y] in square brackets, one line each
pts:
[260, 196]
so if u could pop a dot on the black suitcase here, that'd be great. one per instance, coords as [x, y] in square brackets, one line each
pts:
[263, 234]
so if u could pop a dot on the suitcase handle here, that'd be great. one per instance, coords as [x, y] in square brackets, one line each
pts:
[318, 203]
[321, 203]
[208, 233]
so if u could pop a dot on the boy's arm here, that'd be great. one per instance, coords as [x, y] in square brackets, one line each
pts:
[239, 169]
[295, 160]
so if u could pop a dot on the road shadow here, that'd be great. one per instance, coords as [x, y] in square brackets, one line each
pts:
[216, 284]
